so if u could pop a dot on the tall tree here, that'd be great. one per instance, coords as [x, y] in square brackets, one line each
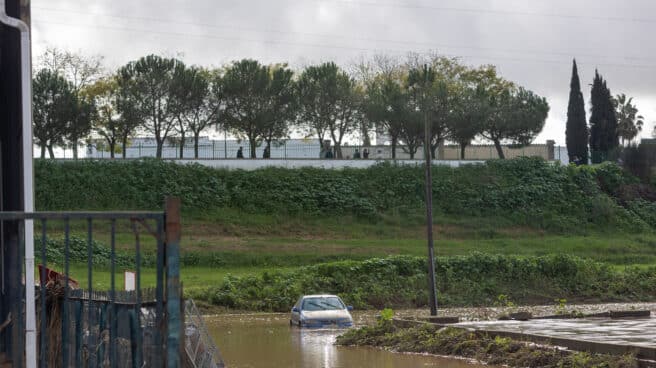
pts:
[150, 85]
[81, 71]
[576, 133]
[201, 96]
[604, 137]
[515, 115]
[55, 107]
[468, 109]
[245, 85]
[385, 104]
[110, 121]
[283, 105]
[80, 125]
[629, 122]
[330, 103]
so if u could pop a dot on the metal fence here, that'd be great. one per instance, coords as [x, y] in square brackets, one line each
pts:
[79, 326]
[310, 149]
[201, 349]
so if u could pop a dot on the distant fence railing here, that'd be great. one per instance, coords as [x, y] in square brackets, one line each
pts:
[307, 149]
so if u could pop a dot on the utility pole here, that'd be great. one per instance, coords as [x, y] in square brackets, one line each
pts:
[429, 196]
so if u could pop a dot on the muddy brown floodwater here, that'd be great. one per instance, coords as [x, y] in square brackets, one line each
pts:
[267, 341]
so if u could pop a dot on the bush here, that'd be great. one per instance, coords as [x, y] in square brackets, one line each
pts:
[527, 191]
[401, 282]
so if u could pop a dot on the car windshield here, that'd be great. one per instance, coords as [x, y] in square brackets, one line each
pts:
[322, 303]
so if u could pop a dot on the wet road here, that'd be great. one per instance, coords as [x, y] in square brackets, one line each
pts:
[267, 341]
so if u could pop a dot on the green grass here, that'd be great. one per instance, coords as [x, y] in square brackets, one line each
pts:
[192, 277]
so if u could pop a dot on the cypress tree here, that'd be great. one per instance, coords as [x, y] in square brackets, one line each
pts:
[577, 127]
[612, 132]
[604, 137]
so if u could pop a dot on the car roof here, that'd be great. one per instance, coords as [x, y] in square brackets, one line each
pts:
[320, 296]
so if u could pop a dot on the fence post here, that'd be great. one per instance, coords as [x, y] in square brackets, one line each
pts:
[173, 299]
[213, 149]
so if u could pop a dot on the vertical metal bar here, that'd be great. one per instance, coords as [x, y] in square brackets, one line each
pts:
[173, 308]
[101, 327]
[134, 333]
[159, 294]
[139, 335]
[20, 321]
[90, 320]
[43, 348]
[112, 299]
[78, 332]
[429, 207]
[65, 317]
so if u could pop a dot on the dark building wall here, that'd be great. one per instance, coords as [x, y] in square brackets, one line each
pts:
[10, 180]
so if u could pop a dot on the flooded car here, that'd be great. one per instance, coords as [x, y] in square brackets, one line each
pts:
[320, 311]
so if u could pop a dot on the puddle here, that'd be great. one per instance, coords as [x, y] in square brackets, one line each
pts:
[267, 340]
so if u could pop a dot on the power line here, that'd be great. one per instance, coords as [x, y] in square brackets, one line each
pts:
[364, 39]
[331, 46]
[492, 11]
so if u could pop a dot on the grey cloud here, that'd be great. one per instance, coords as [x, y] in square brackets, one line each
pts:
[533, 50]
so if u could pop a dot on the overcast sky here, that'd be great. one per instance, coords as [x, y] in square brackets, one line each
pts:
[532, 42]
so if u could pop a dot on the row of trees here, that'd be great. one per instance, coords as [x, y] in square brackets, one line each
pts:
[614, 121]
[165, 98]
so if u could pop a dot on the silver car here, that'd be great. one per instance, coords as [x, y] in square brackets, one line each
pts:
[319, 311]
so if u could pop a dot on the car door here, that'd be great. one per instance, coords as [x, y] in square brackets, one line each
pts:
[296, 311]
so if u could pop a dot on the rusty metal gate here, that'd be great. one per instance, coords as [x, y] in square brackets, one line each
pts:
[93, 322]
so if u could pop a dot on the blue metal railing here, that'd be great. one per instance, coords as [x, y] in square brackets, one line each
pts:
[87, 328]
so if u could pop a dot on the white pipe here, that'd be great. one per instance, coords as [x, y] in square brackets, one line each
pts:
[28, 181]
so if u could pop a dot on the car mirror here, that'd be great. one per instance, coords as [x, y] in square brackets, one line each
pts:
[295, 310]
[349, 308]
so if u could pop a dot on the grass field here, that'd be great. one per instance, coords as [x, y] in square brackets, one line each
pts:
[256, 244]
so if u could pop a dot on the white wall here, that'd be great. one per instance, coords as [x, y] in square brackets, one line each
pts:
[246, 164]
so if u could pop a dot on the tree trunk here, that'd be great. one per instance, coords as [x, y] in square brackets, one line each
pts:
[463, 147]
[196, 139]
[497, 145]
[43, 151]
[51, 151]
[158, 152]
[112, 148]
[253, 145]
[182, 144]
[75, 149]
[366, 141]
[124, 146]
[393, 148]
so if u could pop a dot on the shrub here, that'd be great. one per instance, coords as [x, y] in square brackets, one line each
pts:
[527, 191]
[401, 281]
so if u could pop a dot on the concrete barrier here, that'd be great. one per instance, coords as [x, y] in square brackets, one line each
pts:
[248, 164]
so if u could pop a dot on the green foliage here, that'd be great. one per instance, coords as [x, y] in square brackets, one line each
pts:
[386, 314]
[504, 301]
[526, 191]
[77, 253]
[401, 281]
[577, 133]
[604, 133]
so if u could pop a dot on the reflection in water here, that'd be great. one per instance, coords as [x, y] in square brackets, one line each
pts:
[263, 341]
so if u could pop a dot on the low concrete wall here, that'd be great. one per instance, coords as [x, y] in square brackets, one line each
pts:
[647, 354]
[248, 164]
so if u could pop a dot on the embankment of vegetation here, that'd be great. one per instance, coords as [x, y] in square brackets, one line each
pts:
[523, 192]
[493, 350]
[401, 282]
